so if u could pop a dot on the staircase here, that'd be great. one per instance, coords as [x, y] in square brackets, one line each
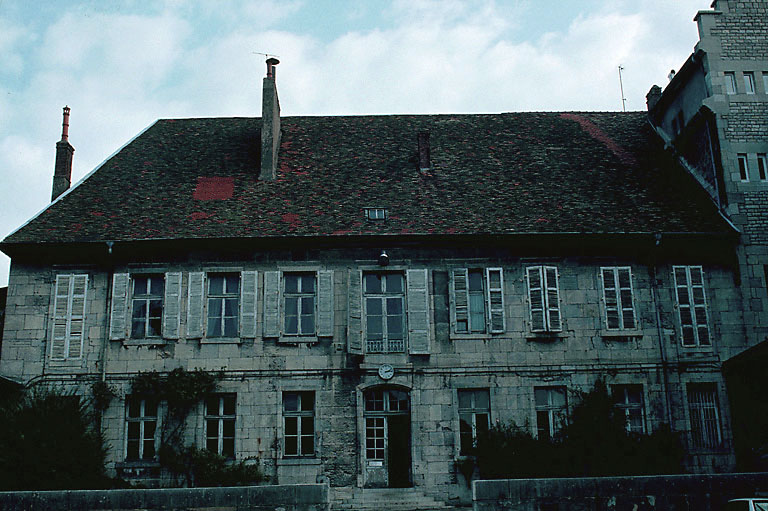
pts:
[385, 499]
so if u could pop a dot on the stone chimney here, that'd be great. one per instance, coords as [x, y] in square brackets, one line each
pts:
[425, 162]
[62, 174]
[653, 97]
[270, 124]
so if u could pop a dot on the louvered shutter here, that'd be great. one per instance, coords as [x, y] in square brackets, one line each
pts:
[610, 298]
[553, 299]
[172, 305]
[495, 299]
[536, 298]
[624, 282]
[60, 317]
[355, 313]
[249, 283]
[78, 294]
[272, 304]
[460, 294]
[118, 324]
[195, 305]
[418, 312]
[684, 305]
[325, 303]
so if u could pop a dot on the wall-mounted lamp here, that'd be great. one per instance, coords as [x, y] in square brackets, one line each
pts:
[383, 258]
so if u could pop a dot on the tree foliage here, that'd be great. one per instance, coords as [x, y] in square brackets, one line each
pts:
[48, 442]
[594, 442]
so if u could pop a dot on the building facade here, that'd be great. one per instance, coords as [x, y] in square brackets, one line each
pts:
[376, 291]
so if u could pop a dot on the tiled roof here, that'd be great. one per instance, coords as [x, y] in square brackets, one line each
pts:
[491, 174]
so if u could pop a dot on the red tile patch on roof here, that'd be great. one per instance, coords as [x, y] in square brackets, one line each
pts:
[598, 134]
[214, 188]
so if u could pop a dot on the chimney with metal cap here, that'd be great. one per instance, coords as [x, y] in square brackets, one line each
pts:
[62, 174]
[270, 124]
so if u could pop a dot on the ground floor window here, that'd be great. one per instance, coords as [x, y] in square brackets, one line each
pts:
[704, 416]
[220, 424]
[551, 408]
[629, 400]
[299, 423]
[141, 429]
[474, 416]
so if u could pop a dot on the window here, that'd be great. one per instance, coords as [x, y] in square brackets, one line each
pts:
[730, 83]
[223, 304]
[382, 408]
[617, 297]
[691, 305]
[299, 423]
[376, 213]
[220, 424]
[141, 429]
[68, 316]
[704, 416]
[765, 82]
[299, 293]
[551, 408]
[743, 167]
[478, 300]
[544, 299]
[762, 167]
[629, 401]
[749, 83]
[474, 417]
[147, 306]
[384, 319]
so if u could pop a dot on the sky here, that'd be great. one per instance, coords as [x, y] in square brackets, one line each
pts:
[120, 66]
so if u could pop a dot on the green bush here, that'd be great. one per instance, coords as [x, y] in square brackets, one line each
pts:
[48, 442]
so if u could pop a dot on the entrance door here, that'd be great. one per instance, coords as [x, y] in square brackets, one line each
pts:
[387, 438]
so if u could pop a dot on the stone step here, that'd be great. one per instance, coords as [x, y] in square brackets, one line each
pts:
[385, 499]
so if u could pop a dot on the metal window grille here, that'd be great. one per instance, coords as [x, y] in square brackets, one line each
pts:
[704, 416]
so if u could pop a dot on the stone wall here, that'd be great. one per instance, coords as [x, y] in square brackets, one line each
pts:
[303, 497]
[740, 29]
[663, 493]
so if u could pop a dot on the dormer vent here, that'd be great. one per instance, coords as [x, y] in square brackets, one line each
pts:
[425, 161]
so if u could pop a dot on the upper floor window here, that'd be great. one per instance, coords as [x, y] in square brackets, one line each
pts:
[551, 410]
[730, 83]
[68, 316]
[691, 305]
[762, 167]
[299, 294]
[617, 297]
[223, 304]
[749, 82]
[704, 415]
[299, 423]
[629, 401]
[384, 300]
[141, 428]
[147, 306]
[474, 417]
[478, 300]
[743, 167]
[544, 299]
[220, 424]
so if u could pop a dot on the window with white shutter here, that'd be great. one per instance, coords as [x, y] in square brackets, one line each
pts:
[478, 300]
[68, 329]
[617, 298]
[691, 305]
[544, 299]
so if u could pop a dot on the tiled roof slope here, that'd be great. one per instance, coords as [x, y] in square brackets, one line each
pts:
[491, 174]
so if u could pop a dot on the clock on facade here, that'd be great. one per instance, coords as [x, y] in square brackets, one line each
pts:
[386, 371]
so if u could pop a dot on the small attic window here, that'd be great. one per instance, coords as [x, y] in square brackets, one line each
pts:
[376, 214]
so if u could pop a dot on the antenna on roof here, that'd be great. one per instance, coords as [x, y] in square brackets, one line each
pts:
[621, 84]
[265, 54]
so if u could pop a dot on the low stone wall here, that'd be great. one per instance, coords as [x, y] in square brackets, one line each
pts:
[642, 493]
[298, 497]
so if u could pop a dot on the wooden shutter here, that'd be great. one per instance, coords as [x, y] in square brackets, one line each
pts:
[68, 329]
[172, 305]
[624, 283]
[495, 299]
[418, 311]
[118, 324]
[60, 315]
[355, 313]
[684, 311]
[553, 299]
[272, 304]
[610, 299]
[460, 295]
[249, 284]
[699, 305]
[536, 303]
[78, 294]
[325, 303]
[196, 304]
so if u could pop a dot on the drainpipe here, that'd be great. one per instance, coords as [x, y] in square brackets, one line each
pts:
[110, 272]
[660, 332]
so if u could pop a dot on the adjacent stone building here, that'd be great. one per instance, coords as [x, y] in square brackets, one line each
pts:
[377, 290]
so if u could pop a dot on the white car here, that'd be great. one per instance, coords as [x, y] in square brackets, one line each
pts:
[753, 504]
